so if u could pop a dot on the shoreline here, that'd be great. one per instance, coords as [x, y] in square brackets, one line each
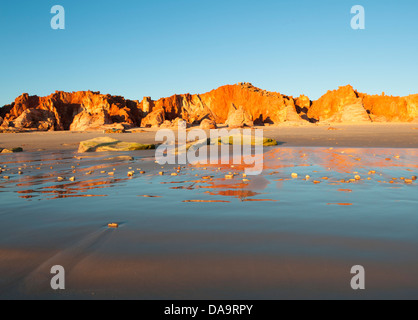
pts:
[377, 135]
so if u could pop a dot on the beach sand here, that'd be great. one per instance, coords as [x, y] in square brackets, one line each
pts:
[385, 135]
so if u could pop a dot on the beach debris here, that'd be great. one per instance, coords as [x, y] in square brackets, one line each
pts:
[408, 181]
[89, 172]
[161, 173]
[6, 177]
[111, 173]
[229, 176]
[414, 178]
[72, 179]
[357, 177]
[307, 177]
[113, 225]
[60, 179]
[294, 175]
[142, 172]
[174, 174]
[131, 173]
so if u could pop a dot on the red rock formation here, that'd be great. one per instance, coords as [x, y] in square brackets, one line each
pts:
[208, 124]
[332, 103]
[238, 118]
[348, 105]
[42, 120]
[154, 119]
[77, 110]
[388, 108]
[88, 110]
[261, 105]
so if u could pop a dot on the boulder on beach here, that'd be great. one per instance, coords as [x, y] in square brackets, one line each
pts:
[103, 144]
[244, 139]
[235, 139]
[208, 124]
[177, 123]
[239, 118]
[12, 150]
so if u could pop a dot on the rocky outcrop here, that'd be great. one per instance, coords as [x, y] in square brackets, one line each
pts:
[41, 120]
[75, 111]
[104, 144]
[332, 103]
[348, 105]
[239, 118]
[262, 106]
[208, 124]
[86, 110]
[389, 108]
[177, 123]
[154, 119]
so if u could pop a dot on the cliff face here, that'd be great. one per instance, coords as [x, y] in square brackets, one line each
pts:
[73, 111]
[86, 110]
[261, 105]
[396, 109]
[348, 105]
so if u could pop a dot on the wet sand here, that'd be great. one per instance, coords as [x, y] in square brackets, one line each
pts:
[368, 135]
[194, 237]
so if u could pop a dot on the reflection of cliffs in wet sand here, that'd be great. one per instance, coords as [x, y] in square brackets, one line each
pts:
[238, 105]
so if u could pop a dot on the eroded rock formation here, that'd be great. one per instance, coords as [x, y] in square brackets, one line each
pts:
[82, 110]
[86, 110]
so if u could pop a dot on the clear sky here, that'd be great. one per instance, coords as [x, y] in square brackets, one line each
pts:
[137, 48]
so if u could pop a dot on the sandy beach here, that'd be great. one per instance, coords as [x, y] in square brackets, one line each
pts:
[387, 135]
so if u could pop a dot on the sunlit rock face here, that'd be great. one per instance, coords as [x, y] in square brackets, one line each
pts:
[348, 105]
[75, 111]
[87, 110]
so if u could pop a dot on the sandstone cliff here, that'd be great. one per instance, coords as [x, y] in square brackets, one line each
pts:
[348, 105]
[86, 110]
[70, 111]
[262, 106]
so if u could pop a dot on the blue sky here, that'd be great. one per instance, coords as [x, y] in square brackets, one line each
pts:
[157, 48]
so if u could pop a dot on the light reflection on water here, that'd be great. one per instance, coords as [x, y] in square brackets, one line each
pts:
[272, 236]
